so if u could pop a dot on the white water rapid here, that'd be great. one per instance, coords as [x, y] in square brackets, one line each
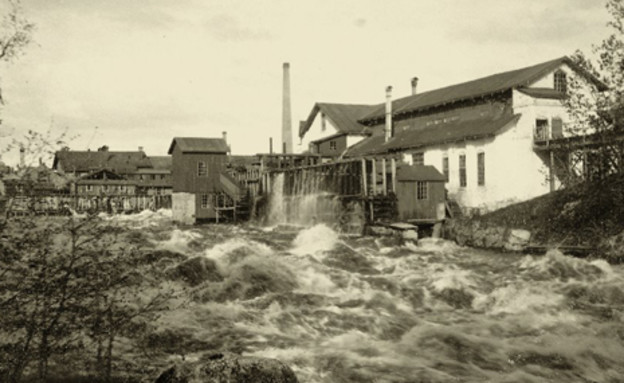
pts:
[346, 309]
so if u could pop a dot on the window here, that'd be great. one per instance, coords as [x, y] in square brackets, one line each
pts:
[541, 129]
[418, 158]
[481, 169]
[332, 145]
[561, 82]
[445, 167]
[462, 170]
[205, 201]
[421, 189]
[323, 122]
[202, 170]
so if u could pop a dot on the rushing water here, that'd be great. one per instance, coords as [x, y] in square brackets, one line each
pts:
[363, 309]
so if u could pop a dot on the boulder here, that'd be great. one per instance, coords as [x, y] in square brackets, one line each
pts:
[195, 271]
[613, 248]
[410, 235]
[229, 368]
[517, 239]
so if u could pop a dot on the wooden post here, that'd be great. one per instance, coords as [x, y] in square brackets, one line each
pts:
[551, 169]
[393, 169]
[374, 175]
[383, 176]
[262, 179]
[364, 191]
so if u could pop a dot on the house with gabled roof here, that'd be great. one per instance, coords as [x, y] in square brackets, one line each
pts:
[107, 172]
[484, 135]
[202, 188]
[331, 128]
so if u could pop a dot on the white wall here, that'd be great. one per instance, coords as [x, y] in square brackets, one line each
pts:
[315, 133]
[352, 140]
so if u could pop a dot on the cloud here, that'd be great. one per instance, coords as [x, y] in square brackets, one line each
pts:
[530, 23]
[227, 28]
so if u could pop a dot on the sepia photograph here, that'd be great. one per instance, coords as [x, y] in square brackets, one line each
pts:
[311, 191]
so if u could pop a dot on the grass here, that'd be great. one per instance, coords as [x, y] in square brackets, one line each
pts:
[582, 215]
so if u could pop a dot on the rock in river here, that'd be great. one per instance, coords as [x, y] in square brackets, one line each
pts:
[229, 368]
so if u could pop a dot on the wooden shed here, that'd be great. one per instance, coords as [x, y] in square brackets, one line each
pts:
[420, 193]
[197, 165]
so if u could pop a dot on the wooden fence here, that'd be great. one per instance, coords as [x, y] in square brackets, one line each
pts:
[64, 204]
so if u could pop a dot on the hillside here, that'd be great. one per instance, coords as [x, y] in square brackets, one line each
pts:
[586, 214]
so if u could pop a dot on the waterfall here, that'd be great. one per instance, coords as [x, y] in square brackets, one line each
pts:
[307, 199]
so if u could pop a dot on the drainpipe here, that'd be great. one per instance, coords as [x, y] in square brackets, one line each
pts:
[388, 130]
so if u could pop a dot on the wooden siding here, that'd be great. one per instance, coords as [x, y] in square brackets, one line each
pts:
[207, 212]
[323, 148]
[184, 171]
[410, 207]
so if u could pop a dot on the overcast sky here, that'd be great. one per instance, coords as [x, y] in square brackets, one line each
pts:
[143, 72]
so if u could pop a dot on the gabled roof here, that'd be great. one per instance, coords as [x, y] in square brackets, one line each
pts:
[86, 161]
[482, 87]
[422, 136]
[344, 117]
[199, 145]
[543, 93]
[419, 173]
[160, 162]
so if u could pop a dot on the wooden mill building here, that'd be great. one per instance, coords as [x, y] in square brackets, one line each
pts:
[202, 188]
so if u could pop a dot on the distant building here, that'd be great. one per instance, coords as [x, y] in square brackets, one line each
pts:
[331, 128]
[106, 173]
[202, 189]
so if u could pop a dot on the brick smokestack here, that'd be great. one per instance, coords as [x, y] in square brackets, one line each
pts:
[287, 140]
[414, 85]
[388, 130]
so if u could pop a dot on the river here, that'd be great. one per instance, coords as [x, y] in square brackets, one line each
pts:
[341, 308]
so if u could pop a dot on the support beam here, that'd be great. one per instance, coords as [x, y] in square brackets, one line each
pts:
[384, 176]
[364, 191]
[393, 169]
[551, 171]
[374, 176]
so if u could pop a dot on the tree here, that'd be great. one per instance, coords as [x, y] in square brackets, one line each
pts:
[596, 113]
[15, 34]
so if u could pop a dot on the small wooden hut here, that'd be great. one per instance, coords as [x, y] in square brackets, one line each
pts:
[420, 194]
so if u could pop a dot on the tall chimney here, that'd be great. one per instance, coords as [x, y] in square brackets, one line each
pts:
[270, 145]
[140, 148]
[22, 156]
[224, 133]
[287, 140]
[414, 85]
[388, 130]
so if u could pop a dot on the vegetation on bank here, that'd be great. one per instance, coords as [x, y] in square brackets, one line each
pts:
[587, 214]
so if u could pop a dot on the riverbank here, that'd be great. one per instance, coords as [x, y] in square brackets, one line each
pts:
[586, 217]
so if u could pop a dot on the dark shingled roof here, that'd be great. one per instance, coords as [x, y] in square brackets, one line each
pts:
[161, 162]
[482, 87]
[85, 161]
[199, 145]
[343, 116]
[419, 173]
[422, 136]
